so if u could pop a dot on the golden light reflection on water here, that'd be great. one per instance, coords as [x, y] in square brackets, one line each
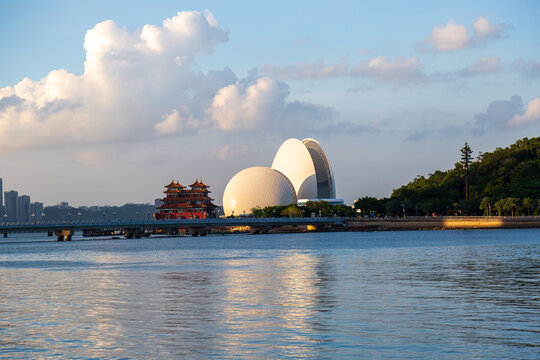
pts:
[278, 294]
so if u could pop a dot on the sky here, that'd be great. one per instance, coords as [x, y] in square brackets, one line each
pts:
[103, 103]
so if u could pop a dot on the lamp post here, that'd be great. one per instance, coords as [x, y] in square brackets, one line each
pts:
[79, 216]
[33, 218]
[42, 217]
[5, 218]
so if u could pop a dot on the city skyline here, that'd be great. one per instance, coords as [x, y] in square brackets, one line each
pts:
[103, 103]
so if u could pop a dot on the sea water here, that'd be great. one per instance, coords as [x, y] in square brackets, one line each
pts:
[430, 294]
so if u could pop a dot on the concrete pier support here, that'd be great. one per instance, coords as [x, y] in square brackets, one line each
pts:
[199, 230]
[63, 235]
[131, 233]
[259, 229]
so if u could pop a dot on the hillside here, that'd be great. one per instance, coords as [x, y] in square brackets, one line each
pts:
[505, 181]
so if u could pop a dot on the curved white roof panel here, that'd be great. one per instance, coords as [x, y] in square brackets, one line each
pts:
[294, 161]
[257, 187]
[325, 177]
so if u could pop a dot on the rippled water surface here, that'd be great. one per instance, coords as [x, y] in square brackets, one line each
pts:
[432, 294]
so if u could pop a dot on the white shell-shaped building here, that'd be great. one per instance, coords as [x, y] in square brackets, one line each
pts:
[300, 170]
[293, 160]
[257, 187]
[326, 188]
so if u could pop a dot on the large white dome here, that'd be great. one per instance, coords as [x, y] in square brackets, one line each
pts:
[294, 160]
[257, 187]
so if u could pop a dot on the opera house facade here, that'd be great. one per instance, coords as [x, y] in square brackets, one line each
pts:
[300, 172]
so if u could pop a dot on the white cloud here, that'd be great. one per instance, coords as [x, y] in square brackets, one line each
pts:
[484, 30]
[531, 115]
[484, 65]
[130, 80]
[449, 37]
[453, 36]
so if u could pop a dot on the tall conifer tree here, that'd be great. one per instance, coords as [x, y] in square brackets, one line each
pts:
[466, 159]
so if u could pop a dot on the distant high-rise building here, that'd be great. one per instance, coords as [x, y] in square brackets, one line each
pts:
[36, 209]
[23, 208]
[1, 199]
[11, 205]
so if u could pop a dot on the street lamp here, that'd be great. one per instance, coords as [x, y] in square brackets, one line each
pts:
[79, 216]
[33, 218]
[42, 217]
[5, 218]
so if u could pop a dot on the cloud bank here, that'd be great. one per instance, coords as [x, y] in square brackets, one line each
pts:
[399, 71]
[140, 84]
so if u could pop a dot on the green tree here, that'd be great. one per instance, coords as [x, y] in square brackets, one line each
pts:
[466, 159]
[292, 210]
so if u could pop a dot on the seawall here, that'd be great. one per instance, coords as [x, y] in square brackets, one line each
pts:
[442, 223]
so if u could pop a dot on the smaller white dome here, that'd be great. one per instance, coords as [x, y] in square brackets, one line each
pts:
[257, 187]
[294, 160]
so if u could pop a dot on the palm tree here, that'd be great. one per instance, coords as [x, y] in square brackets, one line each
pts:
[485, 205]
[527, 203]
[500, 205]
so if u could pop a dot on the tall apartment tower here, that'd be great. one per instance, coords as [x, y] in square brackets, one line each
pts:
[23, 208]
[11, 205]
[1, 199]
[36, 209]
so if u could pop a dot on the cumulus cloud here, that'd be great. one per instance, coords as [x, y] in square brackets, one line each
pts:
[250, 104]
[139, 84]
[530, 69]
[398, 71]
[531, 114]
[453, 36]
[484, 65]
[498, 115]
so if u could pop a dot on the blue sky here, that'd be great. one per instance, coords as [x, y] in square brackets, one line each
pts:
[390, 89]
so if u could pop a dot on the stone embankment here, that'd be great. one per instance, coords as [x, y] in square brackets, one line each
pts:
[443, 223]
